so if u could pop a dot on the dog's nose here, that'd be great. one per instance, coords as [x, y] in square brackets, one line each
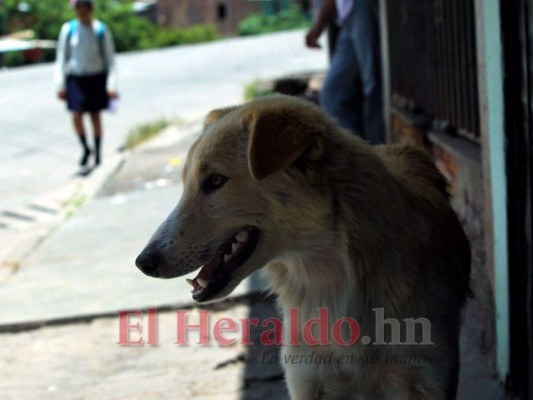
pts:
[148, 262]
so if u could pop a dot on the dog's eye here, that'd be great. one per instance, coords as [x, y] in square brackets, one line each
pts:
[213, 182]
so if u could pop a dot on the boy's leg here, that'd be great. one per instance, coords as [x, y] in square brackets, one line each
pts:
[97, 129]
[363, 25]
[341, 94]
[77, 118]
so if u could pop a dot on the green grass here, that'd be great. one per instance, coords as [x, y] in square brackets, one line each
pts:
[76, 202]
[254, 90]
[145, 131]
[256, 24]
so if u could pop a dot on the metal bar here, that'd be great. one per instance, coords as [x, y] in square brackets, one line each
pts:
[472, 63]
[448, 63]
[461, 92]
[455, 63]
[465, 78]
[439, 39]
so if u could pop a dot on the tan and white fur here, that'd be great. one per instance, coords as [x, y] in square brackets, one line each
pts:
[342, 225]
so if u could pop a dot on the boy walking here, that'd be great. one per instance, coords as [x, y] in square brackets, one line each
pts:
[85, 73]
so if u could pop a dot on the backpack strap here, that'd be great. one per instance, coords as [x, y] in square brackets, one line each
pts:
[100, 29]
[100, 34]
[72, 27]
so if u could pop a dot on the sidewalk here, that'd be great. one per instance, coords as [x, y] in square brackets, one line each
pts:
[83, 361]
[86, 267]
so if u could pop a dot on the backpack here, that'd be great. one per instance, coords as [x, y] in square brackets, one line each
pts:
[100, 34]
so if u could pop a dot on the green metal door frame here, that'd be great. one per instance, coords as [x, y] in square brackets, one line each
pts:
[490, 79]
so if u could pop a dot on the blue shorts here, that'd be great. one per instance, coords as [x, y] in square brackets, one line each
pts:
[87, 93]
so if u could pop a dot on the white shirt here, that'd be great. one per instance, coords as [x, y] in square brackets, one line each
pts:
[85, 54]
[343, 9]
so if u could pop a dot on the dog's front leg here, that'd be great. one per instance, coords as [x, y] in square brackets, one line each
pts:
[302, 380]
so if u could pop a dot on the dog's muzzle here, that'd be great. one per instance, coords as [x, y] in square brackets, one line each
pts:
[215, 273]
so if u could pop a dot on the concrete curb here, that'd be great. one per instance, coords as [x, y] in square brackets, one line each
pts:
[250, 299]
[20, 245]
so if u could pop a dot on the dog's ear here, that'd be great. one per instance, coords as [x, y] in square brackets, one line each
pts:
[215, 115]
[281, 135]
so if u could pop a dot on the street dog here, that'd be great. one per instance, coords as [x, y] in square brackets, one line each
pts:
[366, 233]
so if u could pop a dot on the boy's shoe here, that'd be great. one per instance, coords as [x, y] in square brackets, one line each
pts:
[85, 157]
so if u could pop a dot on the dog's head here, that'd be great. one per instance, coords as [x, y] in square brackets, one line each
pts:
[252, 194]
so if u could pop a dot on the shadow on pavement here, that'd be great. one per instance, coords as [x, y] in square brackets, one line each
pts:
[85, 172]
[262, 375]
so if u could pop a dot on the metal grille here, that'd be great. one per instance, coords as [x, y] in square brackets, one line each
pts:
[432, 48]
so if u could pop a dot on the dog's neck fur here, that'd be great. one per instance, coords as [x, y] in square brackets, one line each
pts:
[363, 261]
[308, 279]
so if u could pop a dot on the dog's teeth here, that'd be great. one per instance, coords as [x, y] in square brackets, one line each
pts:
[190, 282]
[202, 282]
[235, 247]
[242, 236]
[227, 257]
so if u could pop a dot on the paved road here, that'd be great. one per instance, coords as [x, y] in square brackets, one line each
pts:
[38, 152]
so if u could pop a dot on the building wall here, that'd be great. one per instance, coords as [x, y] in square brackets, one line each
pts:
[225, 15]
[460, 161]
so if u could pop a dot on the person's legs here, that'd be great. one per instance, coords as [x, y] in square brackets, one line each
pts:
[97, 129]
[77, 118]
[363, 25]
[341, 93]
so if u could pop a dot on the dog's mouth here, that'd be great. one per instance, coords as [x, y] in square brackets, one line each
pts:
[216, 273]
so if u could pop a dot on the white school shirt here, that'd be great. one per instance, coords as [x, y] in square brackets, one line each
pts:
[343, 9]
[85, 56]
